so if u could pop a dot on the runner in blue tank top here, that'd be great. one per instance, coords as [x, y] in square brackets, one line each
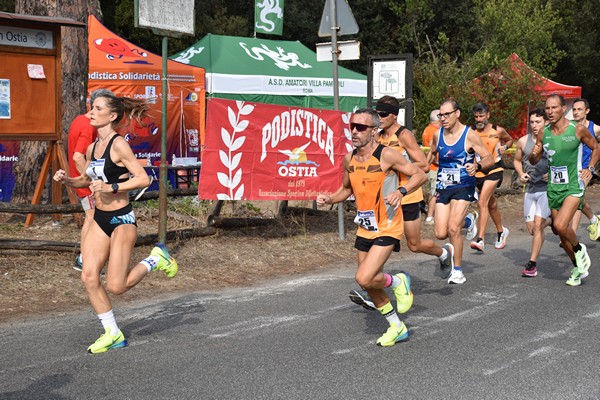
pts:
[456, 146]
[452, 173]
[581, 109]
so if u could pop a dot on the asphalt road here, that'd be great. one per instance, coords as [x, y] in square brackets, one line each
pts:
[498, 336]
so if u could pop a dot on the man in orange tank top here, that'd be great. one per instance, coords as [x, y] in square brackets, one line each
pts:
[392, 134]
[497, 141]
[379, 218]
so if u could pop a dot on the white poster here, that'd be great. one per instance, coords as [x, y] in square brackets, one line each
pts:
[36, 71]
[389, 78]
[4, 98]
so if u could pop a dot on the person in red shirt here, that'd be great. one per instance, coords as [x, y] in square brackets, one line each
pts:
[426, 137]
[81, 135]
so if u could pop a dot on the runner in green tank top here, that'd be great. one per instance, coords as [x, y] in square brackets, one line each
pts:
[564, 161]
[561, 141]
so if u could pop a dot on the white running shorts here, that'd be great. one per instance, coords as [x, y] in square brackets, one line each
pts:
[535, 204]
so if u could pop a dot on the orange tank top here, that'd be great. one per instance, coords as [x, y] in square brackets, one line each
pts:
[393, 142]
[370, 185]
[491, 140]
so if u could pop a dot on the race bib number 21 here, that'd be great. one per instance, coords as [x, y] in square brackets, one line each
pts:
[451, 176]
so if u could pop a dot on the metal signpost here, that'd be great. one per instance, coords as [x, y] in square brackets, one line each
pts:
[334, 11]
[165, 18]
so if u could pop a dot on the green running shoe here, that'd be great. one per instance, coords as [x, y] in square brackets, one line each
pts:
[594, 229]
[107, 341]
[166, 263]
[393, 335]
[582, 259]
[404, 296]
[576, 277]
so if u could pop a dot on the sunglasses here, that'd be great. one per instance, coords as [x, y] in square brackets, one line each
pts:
[383, 114]
[446, 115]
[360, 127]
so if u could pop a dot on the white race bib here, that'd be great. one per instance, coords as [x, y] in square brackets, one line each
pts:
[366, 220]
[559, 175]
[96, 170]
[451, 176]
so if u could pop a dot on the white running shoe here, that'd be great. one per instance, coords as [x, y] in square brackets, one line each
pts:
[447, 265]
[472, 230]
[478, 245]
[500, 244]
[457, 277]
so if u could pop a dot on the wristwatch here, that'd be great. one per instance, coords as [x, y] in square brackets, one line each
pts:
[115, 188]
[402, 190]
[592, 170]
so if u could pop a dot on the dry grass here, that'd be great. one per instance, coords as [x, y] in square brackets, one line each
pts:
[45, 282]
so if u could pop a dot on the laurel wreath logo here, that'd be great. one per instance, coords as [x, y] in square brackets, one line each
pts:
[347, 131]
[229, 159]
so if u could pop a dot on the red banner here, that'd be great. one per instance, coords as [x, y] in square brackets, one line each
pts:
[257, 151]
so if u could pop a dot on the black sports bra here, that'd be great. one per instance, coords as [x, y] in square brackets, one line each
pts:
[104, 168]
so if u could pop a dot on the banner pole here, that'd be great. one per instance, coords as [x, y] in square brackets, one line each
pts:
[336, 98]
[162, 187]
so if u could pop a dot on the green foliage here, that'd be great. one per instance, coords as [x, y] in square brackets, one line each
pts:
[445, 68]
[579, 36]
[507, 90]
[189, 205]
[7, 6]
[516, 26]
[431, 79]
[253, 208]
[453, 41]
[10, 229]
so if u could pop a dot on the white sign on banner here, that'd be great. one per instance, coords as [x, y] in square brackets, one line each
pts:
[23, 37]
[389, 79]
[167, 15]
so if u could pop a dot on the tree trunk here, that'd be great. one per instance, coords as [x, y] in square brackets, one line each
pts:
[74, 53]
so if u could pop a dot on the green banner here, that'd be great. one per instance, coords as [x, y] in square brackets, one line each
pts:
[268, 17]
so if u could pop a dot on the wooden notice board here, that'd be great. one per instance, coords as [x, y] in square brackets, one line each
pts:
[31, 90]
[33, 102]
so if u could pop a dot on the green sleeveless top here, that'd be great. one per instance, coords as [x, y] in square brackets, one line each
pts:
[564, 159]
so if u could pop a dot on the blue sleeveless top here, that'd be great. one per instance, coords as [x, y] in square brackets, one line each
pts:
[587, 152]
[452, 160]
